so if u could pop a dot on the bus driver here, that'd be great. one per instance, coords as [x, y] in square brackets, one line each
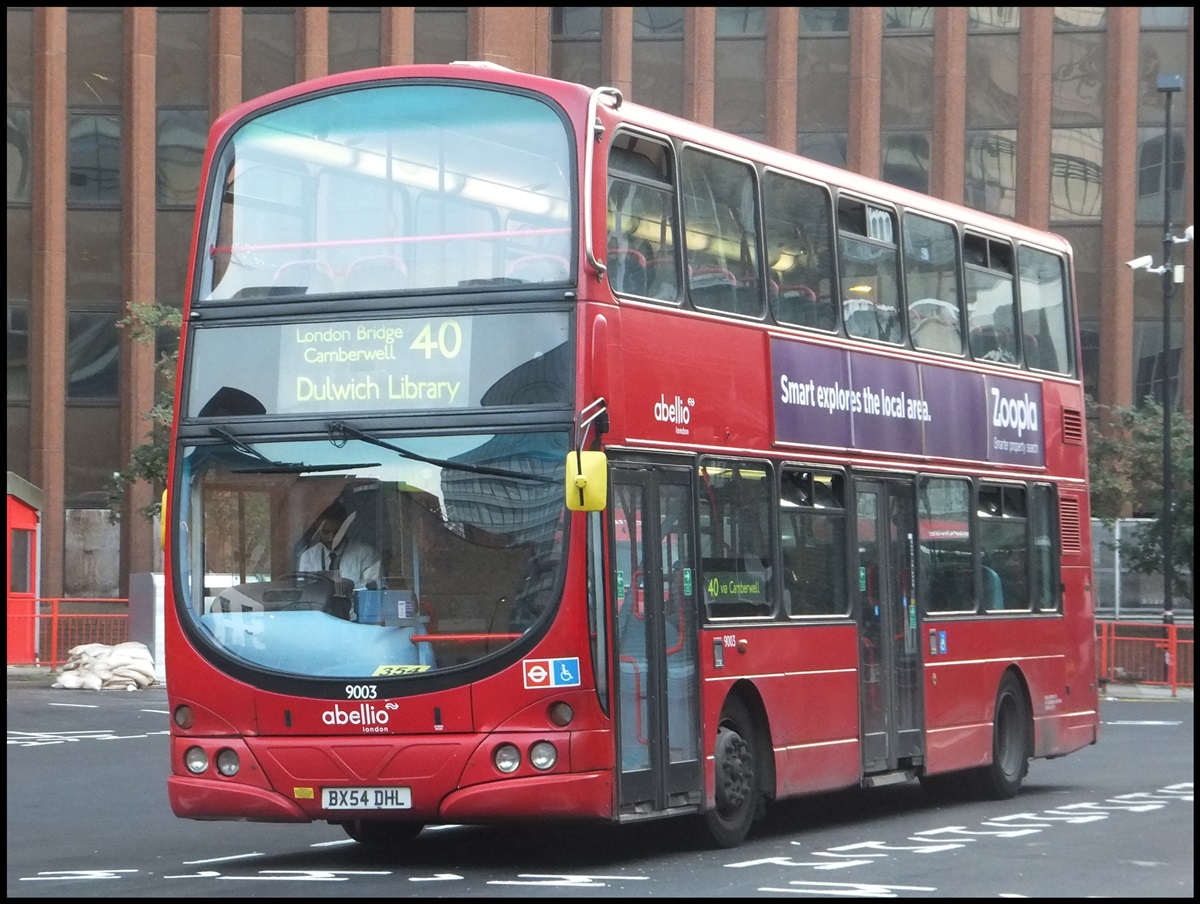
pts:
[333, 551]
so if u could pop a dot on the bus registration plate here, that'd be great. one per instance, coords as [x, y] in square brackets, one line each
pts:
[366, 798]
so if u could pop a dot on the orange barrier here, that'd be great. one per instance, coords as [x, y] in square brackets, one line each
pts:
[1146, 653]
[60, 623]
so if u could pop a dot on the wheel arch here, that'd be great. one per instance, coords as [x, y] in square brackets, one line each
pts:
[746, 691]
[1018, 675]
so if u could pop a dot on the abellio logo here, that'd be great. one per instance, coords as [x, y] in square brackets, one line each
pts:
[365, 714]
[677, 412]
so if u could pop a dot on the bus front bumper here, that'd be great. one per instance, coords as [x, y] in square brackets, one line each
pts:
[581, 795]
[203, 798]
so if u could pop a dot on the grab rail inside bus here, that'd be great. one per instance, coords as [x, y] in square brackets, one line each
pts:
[588, 162]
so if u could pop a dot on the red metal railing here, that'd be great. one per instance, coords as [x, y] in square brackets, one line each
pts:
[1146, 653]
[60, 623]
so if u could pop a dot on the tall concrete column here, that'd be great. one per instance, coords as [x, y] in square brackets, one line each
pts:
[48, 311]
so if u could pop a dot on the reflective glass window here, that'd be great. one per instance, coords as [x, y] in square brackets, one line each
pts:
[946, 569]
[991, 171]
[181, 138]
[869, 270]
[735, 538]
[268, 49]
[93, 355]
[1003, 547]
[354, 39]
[1045, 313]
[1076, 174]
[931, 279]
[575, 44]
[799, 242]
[720, 219]
[658, 57]
[349, 560]
[991, 302]
[94, 158]
[812, 536]
[439, 34]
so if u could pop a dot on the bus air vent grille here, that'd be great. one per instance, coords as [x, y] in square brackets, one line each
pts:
[1072, 426]
[1072, 535]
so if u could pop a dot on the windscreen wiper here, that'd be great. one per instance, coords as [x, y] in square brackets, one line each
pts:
[270, 466]
[340, 430]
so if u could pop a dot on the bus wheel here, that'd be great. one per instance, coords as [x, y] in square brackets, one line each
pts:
[381, 832]
[1010, 743]
[729, 821]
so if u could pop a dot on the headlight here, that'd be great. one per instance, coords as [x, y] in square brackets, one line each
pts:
[507, 758]
[543, 755]
[228, 763]
[196, 760]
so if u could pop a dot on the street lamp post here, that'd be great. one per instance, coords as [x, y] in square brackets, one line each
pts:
[1168, 85]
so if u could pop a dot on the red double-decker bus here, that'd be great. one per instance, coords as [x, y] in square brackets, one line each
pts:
[543, 456]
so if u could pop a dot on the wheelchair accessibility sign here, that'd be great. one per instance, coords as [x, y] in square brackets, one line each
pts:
[551, 672]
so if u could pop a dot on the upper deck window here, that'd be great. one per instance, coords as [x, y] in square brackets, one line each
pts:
[991, 300]
[720, 217]
[390, 188]
[800, 252]
[931, 278]
[1044, 310]
[642, 256]
[869, 270]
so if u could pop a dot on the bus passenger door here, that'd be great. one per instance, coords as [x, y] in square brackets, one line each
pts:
[656, 675]
[890, 673]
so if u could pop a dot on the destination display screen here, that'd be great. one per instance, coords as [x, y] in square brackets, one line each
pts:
[379, 365]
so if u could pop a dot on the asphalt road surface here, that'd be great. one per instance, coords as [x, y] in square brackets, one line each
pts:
[88, 817]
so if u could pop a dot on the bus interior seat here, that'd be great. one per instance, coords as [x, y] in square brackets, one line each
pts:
[799, 305]
[992, 343]
[662, 277]
[374, 273]
[714, 288]
[749, 297]
[1032, 354]
[993, 589]
[627, 270]
[305, 277]
[937, 335]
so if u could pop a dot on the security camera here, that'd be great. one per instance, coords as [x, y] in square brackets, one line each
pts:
[1140, 263]
[1187, 237]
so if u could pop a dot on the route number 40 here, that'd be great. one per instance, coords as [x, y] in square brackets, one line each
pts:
[447, 343]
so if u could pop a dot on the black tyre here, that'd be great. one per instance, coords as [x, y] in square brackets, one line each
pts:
[736, 767]
[1010, 743]
[381, 833]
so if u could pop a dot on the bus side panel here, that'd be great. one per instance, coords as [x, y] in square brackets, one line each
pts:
[712, 403]
[807, 680]
[191, 679]
[961, 684]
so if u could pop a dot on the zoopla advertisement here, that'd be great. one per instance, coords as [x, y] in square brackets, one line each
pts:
[840, 398]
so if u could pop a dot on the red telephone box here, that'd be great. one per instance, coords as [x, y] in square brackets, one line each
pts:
[24, 516]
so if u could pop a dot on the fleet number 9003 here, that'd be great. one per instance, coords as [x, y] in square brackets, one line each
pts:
[361, 691]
